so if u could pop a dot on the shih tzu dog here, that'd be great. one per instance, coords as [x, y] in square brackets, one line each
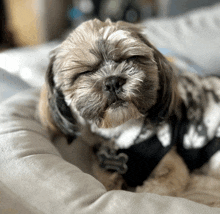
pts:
[148, 126]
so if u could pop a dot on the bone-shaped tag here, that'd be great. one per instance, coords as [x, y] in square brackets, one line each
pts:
[109, 160]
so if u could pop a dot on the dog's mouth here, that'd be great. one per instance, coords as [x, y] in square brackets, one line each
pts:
[117, 113]
[117, 104]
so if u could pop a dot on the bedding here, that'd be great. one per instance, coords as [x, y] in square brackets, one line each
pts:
[44, 178]
[38, 176]
[194, 37]
[8, 86]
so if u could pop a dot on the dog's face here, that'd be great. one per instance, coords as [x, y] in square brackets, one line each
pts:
[109, 73]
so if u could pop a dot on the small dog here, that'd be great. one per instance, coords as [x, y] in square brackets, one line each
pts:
[148, 126]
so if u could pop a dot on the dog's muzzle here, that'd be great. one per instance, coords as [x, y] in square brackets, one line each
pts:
[113, 86]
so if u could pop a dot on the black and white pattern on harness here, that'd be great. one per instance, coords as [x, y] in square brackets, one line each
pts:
[196, 135]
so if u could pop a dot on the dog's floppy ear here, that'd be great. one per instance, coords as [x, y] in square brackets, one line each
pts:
[168, 102]
[168, 96]
[54, 112]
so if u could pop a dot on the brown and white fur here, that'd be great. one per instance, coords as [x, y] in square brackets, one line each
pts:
[109, 74]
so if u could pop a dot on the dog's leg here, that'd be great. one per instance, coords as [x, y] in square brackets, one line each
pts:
[170, 177]
[203, 189]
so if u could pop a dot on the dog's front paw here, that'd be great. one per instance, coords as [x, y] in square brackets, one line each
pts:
[114, 181]
[154, 186]
[170, 177]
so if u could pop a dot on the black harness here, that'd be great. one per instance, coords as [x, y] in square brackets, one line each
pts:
[143, 157]
[137, 162]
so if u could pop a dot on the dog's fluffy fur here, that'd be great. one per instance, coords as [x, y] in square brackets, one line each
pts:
[80, 67]
[97, 50]
[103, 76]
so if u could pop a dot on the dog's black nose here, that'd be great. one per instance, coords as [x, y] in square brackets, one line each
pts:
[114, 84]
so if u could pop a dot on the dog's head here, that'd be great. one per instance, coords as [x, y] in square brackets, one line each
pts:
[109, 73]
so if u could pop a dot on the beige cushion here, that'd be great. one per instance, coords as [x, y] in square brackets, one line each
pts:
[34, 178]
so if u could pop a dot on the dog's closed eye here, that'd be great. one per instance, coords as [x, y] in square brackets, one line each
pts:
[87, 72]
[133, 58]
[138, 58]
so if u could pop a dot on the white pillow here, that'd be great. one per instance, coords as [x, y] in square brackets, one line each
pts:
[194, 36]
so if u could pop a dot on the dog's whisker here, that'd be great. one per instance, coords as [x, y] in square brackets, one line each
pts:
[94, 84]
[139, 80]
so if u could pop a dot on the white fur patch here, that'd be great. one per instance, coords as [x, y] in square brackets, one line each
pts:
[193, 140]
[164, 135]
[124, 134]
[127, 137]
[68, 101]
[147, 134]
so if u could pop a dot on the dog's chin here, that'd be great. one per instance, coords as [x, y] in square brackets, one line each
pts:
[117, 114]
